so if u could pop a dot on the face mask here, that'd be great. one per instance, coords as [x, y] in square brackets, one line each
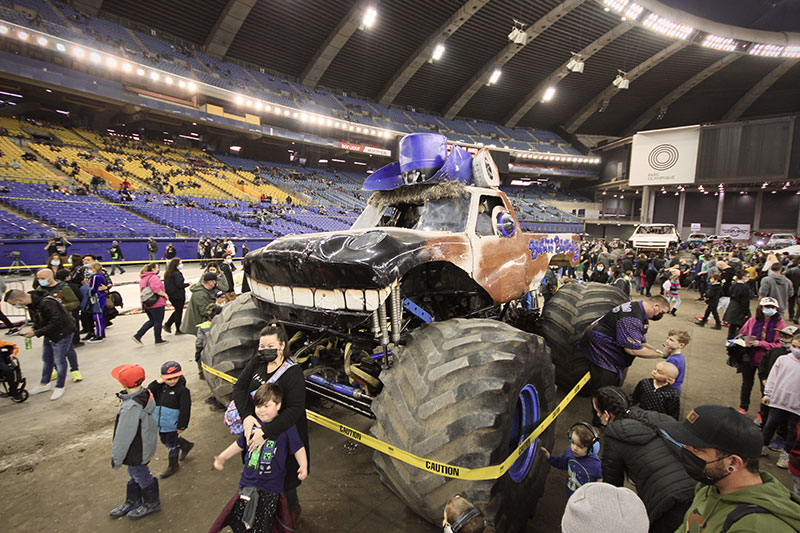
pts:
[786, 344]
[657, 317]
[44, 282]
[55, 263]
[19, 306]
[229, 261]
[268, 354]
[796, 352]
[696, 468]
[599, 269]
[213, 271]
[180, 267]
[769, 312]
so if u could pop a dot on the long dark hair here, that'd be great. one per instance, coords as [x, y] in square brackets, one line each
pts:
[618, 404]
[279, 331]
[761, 317]
[172, 267]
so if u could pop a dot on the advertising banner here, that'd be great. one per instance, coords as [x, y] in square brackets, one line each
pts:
[737, 232]
[664, 157]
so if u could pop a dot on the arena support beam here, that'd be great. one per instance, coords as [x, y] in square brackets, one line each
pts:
[330, 48]
[465, 94]
[425, 50]
[227, 26]
[758, 89]
[535, 96]
[645, 118]
[577, 120]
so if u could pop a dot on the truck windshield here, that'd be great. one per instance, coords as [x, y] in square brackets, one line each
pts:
[444, 214]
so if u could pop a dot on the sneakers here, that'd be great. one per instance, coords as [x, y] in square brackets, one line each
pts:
[96, 339]
[700, 323]
[764, 451]
[716, 326]
[59, 392]
[168, 328]
[40, 388]
[783, 462]
[76, 376]
[777, 444]
[53, 375]
[758, 420]
[162, 341]
[743, 410]
[136, 339]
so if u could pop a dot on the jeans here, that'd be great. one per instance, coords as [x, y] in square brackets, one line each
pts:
[55, 354]
[152, 255]
[141, 475]
[170, 440]
[675, 301]
[155, 316]
[776, 418]
[176, 317]
[114, 269]
[748, 376]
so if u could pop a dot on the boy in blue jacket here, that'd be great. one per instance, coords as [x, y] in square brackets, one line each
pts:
[173, 409]
[580, 460]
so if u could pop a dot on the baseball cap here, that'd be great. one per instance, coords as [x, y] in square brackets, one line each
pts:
[209, 276]
[788, 330]
[171, 369]
[128, 375]
[719, 427]
[767, 301]
[604, 508]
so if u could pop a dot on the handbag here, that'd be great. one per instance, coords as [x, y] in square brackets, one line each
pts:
[232, 418]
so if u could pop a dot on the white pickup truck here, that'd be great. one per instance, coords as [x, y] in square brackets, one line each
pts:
[653, 237]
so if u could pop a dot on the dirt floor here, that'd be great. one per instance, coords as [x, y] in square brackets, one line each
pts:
[55, 472]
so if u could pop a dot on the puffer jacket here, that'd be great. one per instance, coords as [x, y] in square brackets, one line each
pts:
[634, 447]
[173, 405]
[135, 433]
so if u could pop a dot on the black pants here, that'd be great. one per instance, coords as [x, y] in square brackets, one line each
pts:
[711, 309]
[733, 330]
[702, 285]
[5, 320]
[177, 315]
[748, 377]
[779, 418]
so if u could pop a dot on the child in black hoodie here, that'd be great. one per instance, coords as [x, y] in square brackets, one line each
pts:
[173, 409]
[713, 294]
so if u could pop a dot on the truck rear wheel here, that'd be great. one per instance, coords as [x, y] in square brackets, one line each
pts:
[564, 319]
[232, 341]
[466, 392]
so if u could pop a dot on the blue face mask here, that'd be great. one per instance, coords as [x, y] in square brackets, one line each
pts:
[44, 282]
[796, 352]
[769, 311]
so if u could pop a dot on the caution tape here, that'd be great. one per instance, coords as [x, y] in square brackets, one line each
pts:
[429, 465]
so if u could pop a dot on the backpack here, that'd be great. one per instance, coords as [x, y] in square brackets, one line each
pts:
[149, 298]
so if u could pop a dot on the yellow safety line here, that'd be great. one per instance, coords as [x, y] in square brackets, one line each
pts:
[429, 465]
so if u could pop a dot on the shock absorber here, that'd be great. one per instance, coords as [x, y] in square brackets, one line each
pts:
[397, 313]
[382, 324]
[376, 328]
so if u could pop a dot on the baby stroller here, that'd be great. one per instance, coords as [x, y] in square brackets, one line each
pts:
[12, 382]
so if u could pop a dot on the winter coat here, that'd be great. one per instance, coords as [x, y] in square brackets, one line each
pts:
[636, 448]
[770, 340]
[152, 246]
[227, 272]
[599, 276]
[51, 320]
[151, 279]
[777, 286]
[175, 285]
[135, 434]
[293, 406]
[62, 292]
[738, 310]
[173, 405]
[711, 508]
[783, 384]
[201, 297]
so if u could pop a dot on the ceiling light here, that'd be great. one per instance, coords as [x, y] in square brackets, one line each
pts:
[181, 84]
[791, 51]
[3, 29]
[168, 80]
[494, 77]
[767, 50]
[621, 81]
[154, 75]
[303, 117]
[286, 112]
[60, 47]
[267, 107]
[259, 105]
[235, 148]
[518, 35]
[23, 36]
[140, 72]
[323, 160]
[575, 64]
[111, 62]
[277, 111]
[249, 103]
[438, 51]
[667, 27]
[548, 94]
[239, 99]
[126, 67]
[716, 42]
[78, 52]
[42, 41]
[94, 57]
[191, 86]
[369, 17]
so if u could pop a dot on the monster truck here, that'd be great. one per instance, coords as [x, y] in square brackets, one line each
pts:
[409, 319]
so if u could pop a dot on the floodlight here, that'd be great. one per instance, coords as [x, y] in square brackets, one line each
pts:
[369, 17]
[438, 50]
[548, 94]
[575, 64]
[494, 77]
[621, 81]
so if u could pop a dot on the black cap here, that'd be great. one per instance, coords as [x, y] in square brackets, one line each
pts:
[209, 276]
[719, 427]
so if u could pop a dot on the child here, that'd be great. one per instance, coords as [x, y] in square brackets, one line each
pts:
[173, 409]
[672, 286]
[580, 459]
[209, 313]
[658, 394]
[135, 443]
[780, 393]
[676, 341]
[785, 336]
[713, 294]
[460, 516]
[261, 483]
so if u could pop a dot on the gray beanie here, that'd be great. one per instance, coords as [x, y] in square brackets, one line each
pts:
[604, 508]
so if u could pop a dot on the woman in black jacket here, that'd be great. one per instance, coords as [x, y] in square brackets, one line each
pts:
[634, 445]
[272, 353]
[176, 291]
[738, 310]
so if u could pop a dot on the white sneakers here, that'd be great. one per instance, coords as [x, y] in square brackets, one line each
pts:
[40, 388]
[57, 393]
[783, 461]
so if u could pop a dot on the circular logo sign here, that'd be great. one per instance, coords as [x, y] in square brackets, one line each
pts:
[663, 157]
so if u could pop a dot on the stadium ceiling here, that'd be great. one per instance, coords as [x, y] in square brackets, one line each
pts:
[672, 80]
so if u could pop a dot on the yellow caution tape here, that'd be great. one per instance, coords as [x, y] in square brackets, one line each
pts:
[429, 465]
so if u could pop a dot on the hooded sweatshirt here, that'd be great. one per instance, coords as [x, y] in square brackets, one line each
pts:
[173, 405]
[151, 279]
[135, 434]
[777, 286]
[783, 384]
[709, 509]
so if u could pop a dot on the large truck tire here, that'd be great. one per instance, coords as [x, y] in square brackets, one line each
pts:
[466, 392]
[232, 341]
[564, 319]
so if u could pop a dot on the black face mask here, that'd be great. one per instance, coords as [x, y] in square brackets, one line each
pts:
[659, 316]
[268, 354]
[696, 468]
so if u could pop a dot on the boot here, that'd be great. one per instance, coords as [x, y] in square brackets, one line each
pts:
[133, 499]
[171, 468]
[150, 502]
[186, 447]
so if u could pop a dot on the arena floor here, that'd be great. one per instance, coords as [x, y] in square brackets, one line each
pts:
[54, 456]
